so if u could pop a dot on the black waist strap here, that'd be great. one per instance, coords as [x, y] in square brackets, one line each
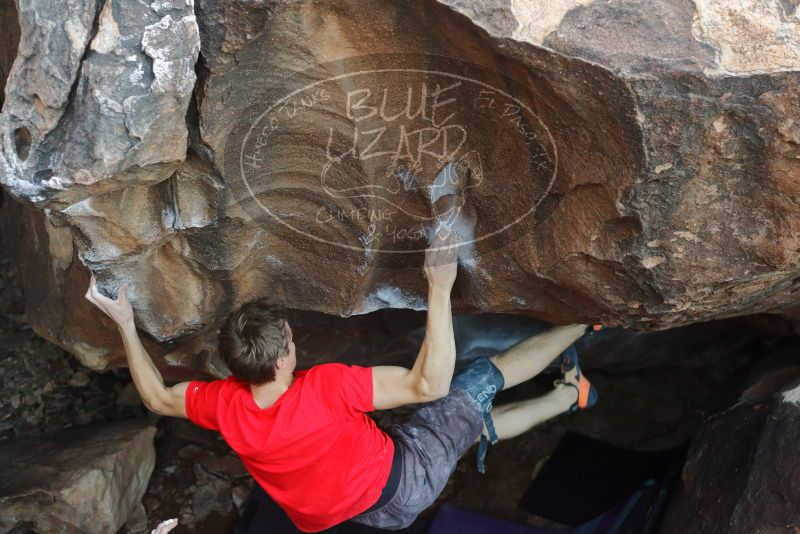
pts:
[392, 483]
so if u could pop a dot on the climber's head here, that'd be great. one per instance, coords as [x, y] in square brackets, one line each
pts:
[256, 343]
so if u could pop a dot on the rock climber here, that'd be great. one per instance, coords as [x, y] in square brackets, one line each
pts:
[305, 436]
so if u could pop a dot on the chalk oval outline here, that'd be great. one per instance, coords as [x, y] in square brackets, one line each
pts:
[417, 71]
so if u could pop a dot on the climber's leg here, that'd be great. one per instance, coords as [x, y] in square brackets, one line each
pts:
[529, 357]
[515, 418]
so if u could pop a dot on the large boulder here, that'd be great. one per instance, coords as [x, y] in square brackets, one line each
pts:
[81, 480]
[631, 163]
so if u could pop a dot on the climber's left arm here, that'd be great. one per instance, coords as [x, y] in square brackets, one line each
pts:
[156, 396]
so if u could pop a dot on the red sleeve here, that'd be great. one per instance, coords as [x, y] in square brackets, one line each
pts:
[202, 400]
[347, 388]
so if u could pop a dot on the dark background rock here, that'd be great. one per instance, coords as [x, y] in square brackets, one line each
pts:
[742, 474]
[8, 41]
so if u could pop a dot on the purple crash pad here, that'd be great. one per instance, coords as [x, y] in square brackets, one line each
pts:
[453, 520]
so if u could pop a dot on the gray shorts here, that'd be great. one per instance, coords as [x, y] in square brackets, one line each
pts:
[433, 440]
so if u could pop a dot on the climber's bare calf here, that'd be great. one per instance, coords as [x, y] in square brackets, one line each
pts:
[516, 418]
[524, 361]
[531, 356]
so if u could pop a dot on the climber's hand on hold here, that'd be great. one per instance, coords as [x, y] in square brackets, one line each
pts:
[163, 400]
[429, 378]
[165, 526]
[441, 260]
[119, 310]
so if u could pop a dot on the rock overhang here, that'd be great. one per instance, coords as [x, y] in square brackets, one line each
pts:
[675, 162]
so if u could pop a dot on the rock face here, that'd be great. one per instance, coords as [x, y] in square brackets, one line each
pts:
[96, 98]
[742, 475]
[86, 479]
[8, 41]
[631, 163]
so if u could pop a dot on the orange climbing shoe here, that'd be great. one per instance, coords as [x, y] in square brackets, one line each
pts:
[571, 376]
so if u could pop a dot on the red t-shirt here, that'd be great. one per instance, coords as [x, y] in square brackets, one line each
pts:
[314, 451]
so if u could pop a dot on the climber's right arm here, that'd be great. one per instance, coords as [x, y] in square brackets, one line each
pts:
[156, 396]
[430, 377]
